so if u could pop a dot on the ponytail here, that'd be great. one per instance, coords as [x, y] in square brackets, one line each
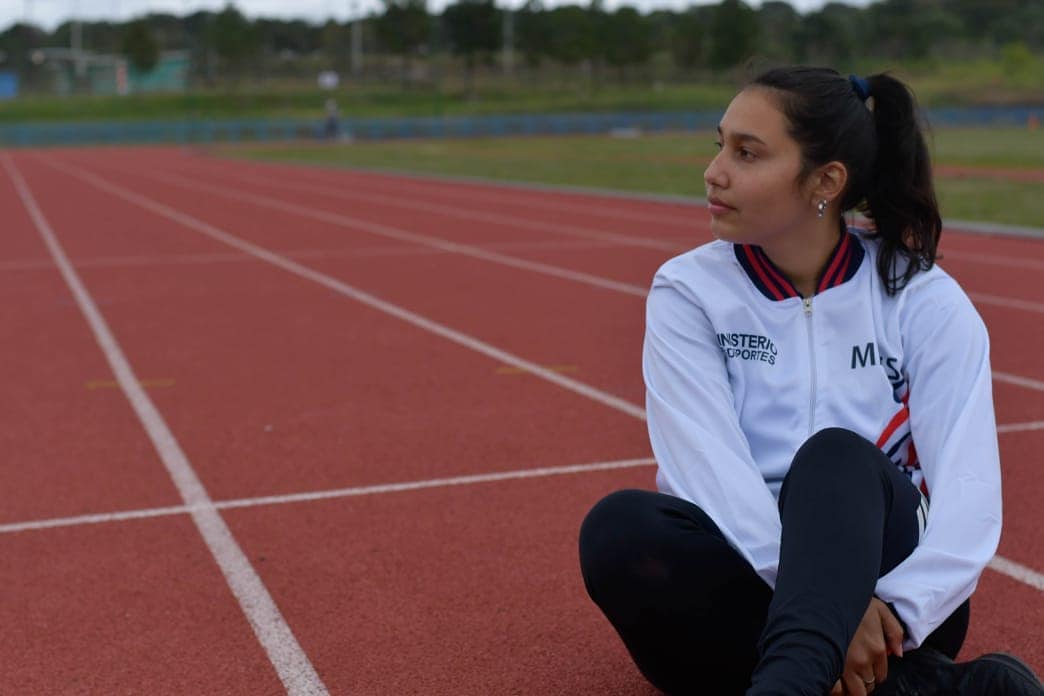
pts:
[870, 126]
[900, 199]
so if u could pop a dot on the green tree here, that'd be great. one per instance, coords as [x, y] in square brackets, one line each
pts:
[661, 24]
[909, 28]
[335, 44]
[473, 28]
[294, 37]
[1023, 23]
[402, 29]
[532, 32]
[626, 38]
[170, 32]
[778, 24]
[828, 36]
[18, 44]
[734, 34]
[689, 37]
[233, 40]
[572, 36]
[999, 21]
[139, 46]
[103, 37]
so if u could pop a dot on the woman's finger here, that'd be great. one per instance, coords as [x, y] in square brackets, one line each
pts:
[880, 668]
[893, 630]
[855, 685]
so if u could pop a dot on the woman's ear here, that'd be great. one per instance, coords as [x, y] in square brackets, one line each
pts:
[828, 182]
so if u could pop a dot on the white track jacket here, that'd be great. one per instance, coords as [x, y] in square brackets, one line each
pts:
[740, 370]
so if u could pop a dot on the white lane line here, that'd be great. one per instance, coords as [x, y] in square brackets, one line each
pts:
[1020, 427]
[405, 236]
[502, 356]
[462, 212]
[442, 482]
[355, 252]
[452, 247]
[397, 233]
[292, 665]
[27, 265]
[462, 339]
[328, 494]
[399, 201]
[93, 518]
[449, 184]
[1018, 572]
[998, 563]
[1017, 380]
[204, 259]
[521, 193]
[1009, 302]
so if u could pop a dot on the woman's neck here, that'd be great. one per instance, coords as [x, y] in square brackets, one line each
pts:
[803, 258]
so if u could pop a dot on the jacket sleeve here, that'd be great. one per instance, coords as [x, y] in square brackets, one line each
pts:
[702, 453]
[955, 432]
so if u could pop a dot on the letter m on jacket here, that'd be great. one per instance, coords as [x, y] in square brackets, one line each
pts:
[864, 356]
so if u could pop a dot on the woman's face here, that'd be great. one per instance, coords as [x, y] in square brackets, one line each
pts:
[752, 184]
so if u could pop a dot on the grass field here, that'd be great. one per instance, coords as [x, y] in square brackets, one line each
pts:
[674, 163]
[370, 101]
[936, 83]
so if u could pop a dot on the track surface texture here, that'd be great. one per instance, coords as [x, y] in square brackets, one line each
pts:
[271, 429]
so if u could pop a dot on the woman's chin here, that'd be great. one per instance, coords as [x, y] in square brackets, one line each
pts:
[723, 231]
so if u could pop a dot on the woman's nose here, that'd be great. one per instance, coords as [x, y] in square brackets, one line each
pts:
[713, 174]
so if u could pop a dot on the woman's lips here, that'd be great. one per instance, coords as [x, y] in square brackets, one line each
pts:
[716, 207]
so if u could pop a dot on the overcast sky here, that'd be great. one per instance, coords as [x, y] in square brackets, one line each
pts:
[50, 13]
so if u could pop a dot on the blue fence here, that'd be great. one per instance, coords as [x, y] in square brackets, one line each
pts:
[265, 130]
[8, 84]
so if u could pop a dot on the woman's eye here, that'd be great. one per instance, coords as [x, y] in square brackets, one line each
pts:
[746, 154]
[718, 144]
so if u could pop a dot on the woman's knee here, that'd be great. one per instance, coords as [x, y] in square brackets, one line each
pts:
[835, 452]
[634, 538]
[606, 528]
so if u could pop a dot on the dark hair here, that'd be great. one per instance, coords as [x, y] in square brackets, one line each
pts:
[880, 143]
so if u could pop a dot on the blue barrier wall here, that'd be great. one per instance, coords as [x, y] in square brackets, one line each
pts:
[8, 84]
[254, 130]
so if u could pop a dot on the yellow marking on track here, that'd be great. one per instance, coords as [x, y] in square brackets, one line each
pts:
[113, 384]
[511, 370]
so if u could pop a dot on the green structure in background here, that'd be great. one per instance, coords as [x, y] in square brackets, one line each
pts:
[83, 72]
[170, 74]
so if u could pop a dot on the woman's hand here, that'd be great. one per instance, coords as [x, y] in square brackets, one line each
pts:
[866, 665]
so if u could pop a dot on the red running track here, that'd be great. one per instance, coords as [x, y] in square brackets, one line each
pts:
[275, 382]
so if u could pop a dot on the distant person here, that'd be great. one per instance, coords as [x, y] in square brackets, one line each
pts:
[819, 404]
[332, 120]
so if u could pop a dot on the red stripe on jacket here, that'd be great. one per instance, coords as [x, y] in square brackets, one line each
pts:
[783, 282]
[756, 263]
[897, 420]
[842, 253]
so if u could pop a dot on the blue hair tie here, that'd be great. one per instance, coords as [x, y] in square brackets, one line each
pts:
[861, 87]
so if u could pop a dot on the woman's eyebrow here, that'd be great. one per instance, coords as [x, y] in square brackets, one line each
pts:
[743, 137]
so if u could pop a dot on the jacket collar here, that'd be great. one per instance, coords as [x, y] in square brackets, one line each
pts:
[844, 261]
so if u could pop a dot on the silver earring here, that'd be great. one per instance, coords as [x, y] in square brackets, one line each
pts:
[821, 208]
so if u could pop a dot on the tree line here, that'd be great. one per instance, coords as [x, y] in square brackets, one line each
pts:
[408, 40]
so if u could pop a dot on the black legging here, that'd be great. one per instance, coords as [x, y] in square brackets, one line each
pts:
[695, 616]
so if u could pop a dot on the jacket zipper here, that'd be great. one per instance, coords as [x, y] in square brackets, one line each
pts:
[807, 303]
